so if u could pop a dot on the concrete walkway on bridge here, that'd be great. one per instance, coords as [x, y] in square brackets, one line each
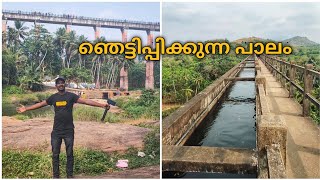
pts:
[303, 140]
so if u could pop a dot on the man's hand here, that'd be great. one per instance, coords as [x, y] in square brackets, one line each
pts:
[107, 106]
[21, 109]
[32, 107]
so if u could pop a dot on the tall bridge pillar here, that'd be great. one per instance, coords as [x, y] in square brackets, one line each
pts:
[124, 35]
[124, 70]
[96, 31]
[68, 28]
[36, 28]
[124, 78]
[4, 31]
[149, 65]
[96, 36]
[4, 25]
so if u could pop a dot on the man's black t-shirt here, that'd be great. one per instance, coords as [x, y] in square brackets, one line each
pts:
[63, 105]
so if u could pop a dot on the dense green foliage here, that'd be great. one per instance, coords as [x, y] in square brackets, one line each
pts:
[30, 164]
[304, 55]
[137, 75]
[32, 55]
[184, 76]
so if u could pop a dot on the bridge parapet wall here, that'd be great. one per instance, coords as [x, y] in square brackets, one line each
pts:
[209, 159]
[271, 135]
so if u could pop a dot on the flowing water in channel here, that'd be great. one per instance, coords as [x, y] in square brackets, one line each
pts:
[231, 123]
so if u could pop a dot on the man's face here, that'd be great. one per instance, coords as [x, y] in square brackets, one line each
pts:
[60, 85]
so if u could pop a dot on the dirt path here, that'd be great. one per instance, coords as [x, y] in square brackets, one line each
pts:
[35, 135]
[152, 172]
[303, 141]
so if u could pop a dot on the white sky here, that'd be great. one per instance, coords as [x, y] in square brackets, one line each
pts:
[136, 11]
[213, 20]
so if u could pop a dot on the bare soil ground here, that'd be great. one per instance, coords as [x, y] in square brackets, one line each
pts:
[34, 134]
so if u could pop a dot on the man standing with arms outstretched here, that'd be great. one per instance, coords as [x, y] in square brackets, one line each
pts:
[63, 127]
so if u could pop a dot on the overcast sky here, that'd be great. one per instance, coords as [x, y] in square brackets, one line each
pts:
[207, 21]
[148, 12]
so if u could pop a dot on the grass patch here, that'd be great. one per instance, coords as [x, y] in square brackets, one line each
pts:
[12, 90]
[21, 117]
[88, 113]
[27, 164]
[18, 164]
[9, 109]
[147, 106]
[11, 101]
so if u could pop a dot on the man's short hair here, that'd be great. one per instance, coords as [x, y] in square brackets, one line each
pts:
[60, 79]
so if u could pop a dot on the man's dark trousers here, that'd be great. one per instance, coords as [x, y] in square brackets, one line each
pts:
[56, 140]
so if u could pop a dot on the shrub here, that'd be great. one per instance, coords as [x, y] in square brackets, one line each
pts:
[152, 141]
[42, 96]
[12, 90]
[148, 105]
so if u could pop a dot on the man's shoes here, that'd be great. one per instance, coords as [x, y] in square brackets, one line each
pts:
[70, 177]
[55, 177]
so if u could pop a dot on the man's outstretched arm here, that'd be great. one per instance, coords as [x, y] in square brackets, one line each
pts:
[92, 103]
[32, 107]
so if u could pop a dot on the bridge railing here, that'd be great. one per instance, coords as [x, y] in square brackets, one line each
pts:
[76, 17]
[294, 77]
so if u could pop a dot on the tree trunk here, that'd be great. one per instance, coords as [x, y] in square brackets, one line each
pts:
[42, 60]
[98, 74]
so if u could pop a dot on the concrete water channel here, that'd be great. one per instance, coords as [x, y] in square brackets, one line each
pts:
[229, 124]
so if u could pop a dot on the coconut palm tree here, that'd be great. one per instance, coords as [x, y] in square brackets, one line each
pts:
[70, 46]
[97, 61]
[82, 58]
[67, 46]
[17, 34]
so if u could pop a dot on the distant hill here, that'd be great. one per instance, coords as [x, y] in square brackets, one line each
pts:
[299, 41]
[250, 39]
[295, 41]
